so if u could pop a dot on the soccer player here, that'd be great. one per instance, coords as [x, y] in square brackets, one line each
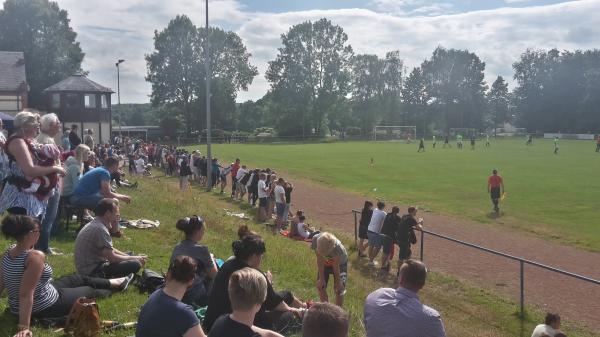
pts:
[529, 140]
[598, 144]
[435, 141]
[459, 140]
[421, 145]
[495, 189]
[472, 143]
[487, 140]
[556, 145]
[446, 142]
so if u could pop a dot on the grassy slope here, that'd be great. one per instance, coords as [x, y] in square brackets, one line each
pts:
[552, 196]
[467, 311]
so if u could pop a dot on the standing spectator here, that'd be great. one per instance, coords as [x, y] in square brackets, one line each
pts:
[271, 183]
[50, 127]
[332, 259]
[240, 189]
[279, 193]
[363, 225]
[262, 197]
[234, 171]
[223, 176]
[94, 251]
[247, 292]
[164, 315]
[400, 310]
[598, 144]
[184, 176]
[74, 139]
[289, 188]
[66, 143]
[325, 320]
[374, 232]
[88, 138]
[405, 234]
[495, 189]
[140, 164]
[253, 187]
[551, 326]
[24, 166]
[388, 234]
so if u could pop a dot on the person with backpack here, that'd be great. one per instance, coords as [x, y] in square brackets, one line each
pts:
[388, 233]
[405, 234]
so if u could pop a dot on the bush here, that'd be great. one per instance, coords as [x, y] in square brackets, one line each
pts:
[353, 131]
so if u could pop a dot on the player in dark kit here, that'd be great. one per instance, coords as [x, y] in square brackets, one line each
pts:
[446, 142]
[421, 145]
[495, 188]
[472, 142]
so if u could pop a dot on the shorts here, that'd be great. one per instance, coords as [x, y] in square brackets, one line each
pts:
[343, 274]
[262, 202]
[280, 209]
[286, 211]
[241, 187]
[495, 192]
[375, 239]
[405, 253]
[362, 233]
[387, 244]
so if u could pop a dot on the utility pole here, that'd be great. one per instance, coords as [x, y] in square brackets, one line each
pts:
[208, 133]
[119, 95]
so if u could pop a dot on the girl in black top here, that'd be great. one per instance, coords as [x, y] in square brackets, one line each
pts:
[365, 218]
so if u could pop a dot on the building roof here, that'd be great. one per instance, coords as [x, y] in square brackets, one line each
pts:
[12, 70]
[78, 82]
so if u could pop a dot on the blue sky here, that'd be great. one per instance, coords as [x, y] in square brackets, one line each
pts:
[497, 30]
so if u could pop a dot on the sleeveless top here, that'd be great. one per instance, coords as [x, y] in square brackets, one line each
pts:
[12, 196]
[44, 296]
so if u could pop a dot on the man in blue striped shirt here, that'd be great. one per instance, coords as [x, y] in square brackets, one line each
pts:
[399, 312]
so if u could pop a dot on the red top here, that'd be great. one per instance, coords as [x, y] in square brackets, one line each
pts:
[495, 181]
[234, 170]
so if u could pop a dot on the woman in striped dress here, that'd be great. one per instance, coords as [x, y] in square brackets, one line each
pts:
[23, 167]
[28, 278]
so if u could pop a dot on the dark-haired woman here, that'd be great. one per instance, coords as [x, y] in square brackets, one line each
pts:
[28, 278]
[365, 219]
[164, 315]
[248, 252]
[194, 228]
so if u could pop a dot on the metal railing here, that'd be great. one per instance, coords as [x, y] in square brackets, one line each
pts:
[522, 261]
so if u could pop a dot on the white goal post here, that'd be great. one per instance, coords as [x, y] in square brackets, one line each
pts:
[390, 132]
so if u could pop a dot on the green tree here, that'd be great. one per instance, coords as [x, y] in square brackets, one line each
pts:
[414, 97]
[309, 76]
[41, 30]
[498, 100]
[367, 90]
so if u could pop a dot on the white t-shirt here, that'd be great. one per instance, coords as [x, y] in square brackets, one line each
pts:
[240, 173]
[249, 182]
[261, 189]
[377, 220]
[139, 165]
[302, 231]
[279, 194]
[543, 329]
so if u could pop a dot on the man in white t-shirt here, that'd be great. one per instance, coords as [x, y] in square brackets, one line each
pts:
[262, 196]
[280, 201]
[240, 189]
[550, 328]
[140, 165]
[374, 232]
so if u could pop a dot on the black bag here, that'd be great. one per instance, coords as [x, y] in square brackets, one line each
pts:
[150, 281]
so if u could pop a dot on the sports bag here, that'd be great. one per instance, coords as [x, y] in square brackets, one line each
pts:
[150, 281]
[84, 318]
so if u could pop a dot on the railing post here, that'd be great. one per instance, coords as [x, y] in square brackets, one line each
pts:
[422, 245]
[522, 289]
[355, 230]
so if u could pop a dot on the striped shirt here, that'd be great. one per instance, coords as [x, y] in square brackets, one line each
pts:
[44, 296]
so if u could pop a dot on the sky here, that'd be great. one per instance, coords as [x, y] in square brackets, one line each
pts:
[498, 31]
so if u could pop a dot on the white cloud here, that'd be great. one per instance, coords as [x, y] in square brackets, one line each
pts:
[498, 36]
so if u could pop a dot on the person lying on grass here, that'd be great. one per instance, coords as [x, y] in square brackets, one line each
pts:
[194, 228]
[164, 315]
[28, 278]
[332, 259]
[247, 293]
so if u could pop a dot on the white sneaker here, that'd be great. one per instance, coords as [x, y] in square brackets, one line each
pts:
[372, 263]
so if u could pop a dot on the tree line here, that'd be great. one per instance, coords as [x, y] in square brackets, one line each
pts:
[318, 84]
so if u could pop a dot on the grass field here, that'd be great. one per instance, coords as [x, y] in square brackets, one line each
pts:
[467, 311]
[553, 196]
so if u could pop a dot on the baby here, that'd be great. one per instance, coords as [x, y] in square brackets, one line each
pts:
[46, 155]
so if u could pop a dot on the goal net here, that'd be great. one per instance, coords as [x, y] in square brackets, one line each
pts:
[465, 132]
[391, 132]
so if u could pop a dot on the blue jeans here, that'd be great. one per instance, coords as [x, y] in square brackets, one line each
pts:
[86, 201]
[48, 221]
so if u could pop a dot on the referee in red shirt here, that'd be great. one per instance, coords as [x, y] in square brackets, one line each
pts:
[495, 188]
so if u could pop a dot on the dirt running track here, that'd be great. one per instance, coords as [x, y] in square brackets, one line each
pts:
[576, 301]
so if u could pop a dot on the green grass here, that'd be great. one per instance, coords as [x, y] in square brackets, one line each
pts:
[466, 310]
[553, 196]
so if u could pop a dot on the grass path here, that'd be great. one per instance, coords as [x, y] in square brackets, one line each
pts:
[466, 310]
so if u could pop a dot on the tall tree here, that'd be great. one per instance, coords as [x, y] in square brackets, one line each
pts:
[414, 97]
[41, 30]
[367, 90]
[311, 72]
[498, 99]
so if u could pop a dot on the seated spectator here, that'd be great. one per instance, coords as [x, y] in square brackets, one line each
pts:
[305, 230]
[294, 223]
[247, 292]
[94, 251]
[95, 186]
[206, 270]
[325, 320]
[74, 167]
[28, 278]
[550, 327]
[248, 252]
[164, 315]
[400, 310]
[332, 259]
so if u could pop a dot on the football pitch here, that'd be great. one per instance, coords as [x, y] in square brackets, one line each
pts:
[553, 196]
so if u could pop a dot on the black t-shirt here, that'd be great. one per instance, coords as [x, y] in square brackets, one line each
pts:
[288, 195]
[218, 298]
[407, 224]
[391, 223]
[226, 327]
[365, 218]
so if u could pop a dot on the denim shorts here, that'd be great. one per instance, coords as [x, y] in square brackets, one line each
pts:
[280, 209]
[375, 239]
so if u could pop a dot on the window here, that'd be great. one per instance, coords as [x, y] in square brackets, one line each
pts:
[56, 101]
[72, 101]
[90, 100]
[104, 101]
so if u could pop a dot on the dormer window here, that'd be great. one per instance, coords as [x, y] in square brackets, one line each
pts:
[90, 101]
